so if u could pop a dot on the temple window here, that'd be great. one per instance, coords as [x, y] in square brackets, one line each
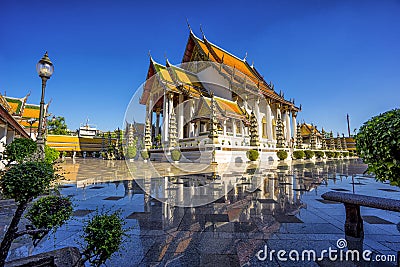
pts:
[264, 127]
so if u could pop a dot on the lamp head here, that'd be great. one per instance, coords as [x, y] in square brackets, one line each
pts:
[45, 67]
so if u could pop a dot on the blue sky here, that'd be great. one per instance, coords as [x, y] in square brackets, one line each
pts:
[333, 57]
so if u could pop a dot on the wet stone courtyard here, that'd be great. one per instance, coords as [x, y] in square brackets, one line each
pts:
[242, 216]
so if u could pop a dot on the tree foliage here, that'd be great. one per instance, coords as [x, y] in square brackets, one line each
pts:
[145, 154]
[57, 125]
[298, 154]
[329, 154]
[319, 154]
[131, 152]
[50, 154]
[103, 236]
[20, 149]
[282, 154]
[50, 211]
[309, 154]
[378, 144]
[27, 180]
[176, 155]
[252, 155]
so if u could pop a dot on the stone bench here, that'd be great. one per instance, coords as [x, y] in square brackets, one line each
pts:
[352, 202]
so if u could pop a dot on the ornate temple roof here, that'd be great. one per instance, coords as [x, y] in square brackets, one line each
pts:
[173, 78]
[22, 111]
[306, 129]
[16, 104]
[241, 74]
[210, 51]
[225, 109]
[7, 118]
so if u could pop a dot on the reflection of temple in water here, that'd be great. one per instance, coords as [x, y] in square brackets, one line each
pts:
[258, 204]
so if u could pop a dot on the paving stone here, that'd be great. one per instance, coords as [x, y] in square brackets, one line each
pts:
[375, 220]
[287, 219]
[96, 187]
[81, 213]
[388, 190]
[217, 217]
[138, 215]
[113, 198]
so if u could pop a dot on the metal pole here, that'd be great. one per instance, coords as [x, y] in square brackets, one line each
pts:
[348, 124]
[39, 139]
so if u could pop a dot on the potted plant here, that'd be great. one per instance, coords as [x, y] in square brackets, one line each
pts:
[298, 154]
[176, 155]
[309, 154]
[282, 154]
[131, 152]
[252, 154]
[145, 155]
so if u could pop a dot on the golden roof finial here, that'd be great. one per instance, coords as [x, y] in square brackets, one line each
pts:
[201, 29]
[244, 59]
[187, 22]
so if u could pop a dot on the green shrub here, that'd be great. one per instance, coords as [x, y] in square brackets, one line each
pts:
[252, 155]
[50, 154]
[50, 211]
[20, 149]
[345, 154]
[309, 154]
[378, 144]
[145, 154]
[337, 154]
[23, 182]
[319, 154]
[103, 236]
[282, 154]
[131, 152]
[27, 180]
[330, 154]
[176, 155]
[298, 154]
[351, 154]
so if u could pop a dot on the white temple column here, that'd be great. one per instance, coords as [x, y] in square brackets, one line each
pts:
[234, 127]
[224, 124]
[170, 107]
[287, 126]
[258, 116]
[3, 136]
[150, 114]
[165, 118]
[157, 122]
[269, 122]
[294, 125]
[191, 124]
[278, 112]
[197, 129]
[180, 114]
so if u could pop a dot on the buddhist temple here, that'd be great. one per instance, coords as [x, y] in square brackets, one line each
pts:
[10, 127]
[26, 114]
[216, 99]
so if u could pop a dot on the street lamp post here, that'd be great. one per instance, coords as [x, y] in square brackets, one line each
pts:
[45, 69]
